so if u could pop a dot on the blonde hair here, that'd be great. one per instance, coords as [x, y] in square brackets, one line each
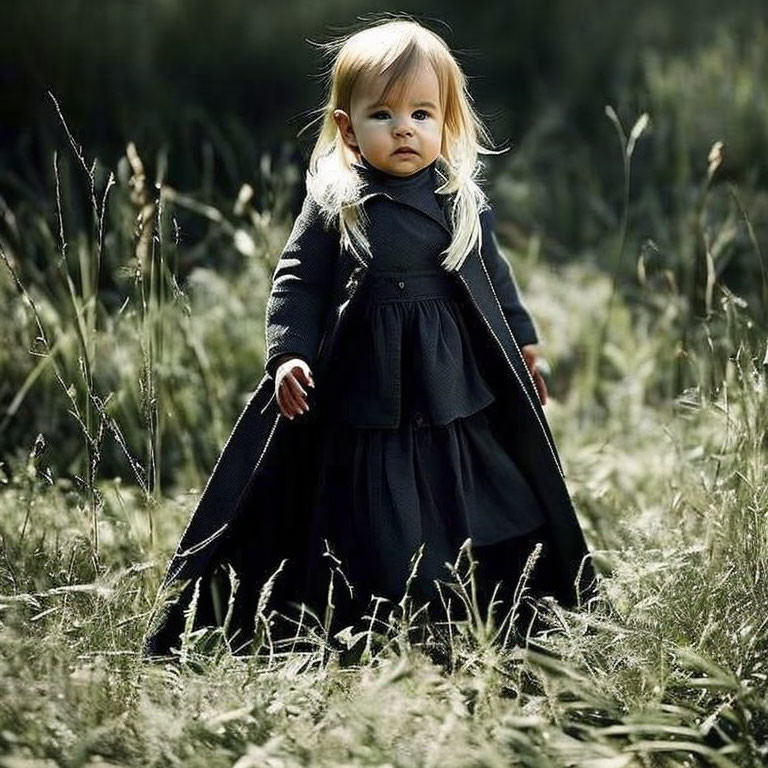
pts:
[398, 47]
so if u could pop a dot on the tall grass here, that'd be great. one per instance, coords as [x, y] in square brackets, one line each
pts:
[677, 675]
[115, 344]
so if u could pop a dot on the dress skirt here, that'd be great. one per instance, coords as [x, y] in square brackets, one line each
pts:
[423, 467]
[381, 493]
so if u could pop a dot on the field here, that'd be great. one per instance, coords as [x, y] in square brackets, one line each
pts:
[127, 351]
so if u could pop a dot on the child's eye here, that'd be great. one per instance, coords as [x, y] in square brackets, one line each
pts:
[375, 115]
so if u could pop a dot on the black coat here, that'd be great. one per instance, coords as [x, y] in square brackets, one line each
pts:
[254, 506]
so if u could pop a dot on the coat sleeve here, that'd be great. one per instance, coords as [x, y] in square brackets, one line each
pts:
[504, 283]
[301, 289]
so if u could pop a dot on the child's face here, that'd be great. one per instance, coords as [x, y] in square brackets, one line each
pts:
[377, 131]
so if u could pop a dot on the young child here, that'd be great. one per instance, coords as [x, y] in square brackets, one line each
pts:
[407, 401]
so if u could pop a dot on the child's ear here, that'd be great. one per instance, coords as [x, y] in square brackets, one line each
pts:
[345, 128]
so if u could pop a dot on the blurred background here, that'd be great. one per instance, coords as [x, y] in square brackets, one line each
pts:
[217, 86]
[151, 164]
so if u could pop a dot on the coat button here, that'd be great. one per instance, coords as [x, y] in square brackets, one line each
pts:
[401, 284]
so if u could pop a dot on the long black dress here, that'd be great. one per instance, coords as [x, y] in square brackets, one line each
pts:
[409, 453]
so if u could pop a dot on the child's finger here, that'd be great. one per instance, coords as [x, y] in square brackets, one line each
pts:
[289, 398]
[298, 394]
[305, 376]
[296, 386]
[282, 403]
[287, 413]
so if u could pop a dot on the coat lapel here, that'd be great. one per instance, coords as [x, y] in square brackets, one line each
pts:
[419, 196]
[477, 284]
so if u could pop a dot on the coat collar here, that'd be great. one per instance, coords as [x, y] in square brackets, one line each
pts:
[416, 191]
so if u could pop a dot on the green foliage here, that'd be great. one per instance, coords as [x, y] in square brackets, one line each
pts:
[131, 335]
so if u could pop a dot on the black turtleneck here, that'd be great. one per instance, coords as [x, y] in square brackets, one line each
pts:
[422, 176]
[407, 227]
[416, 190]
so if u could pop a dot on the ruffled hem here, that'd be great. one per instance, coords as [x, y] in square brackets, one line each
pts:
[413, 357]
[381, 493]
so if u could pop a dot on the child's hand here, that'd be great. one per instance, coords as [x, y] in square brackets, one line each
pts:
[530, 353]
[289, 377]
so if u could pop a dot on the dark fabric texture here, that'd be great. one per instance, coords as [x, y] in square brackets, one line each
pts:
[409, 340]
[396, 232]
[301, 289]
[502, 563]
[518, 317]
[408, 322]
[401, 233]
[381, 493]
